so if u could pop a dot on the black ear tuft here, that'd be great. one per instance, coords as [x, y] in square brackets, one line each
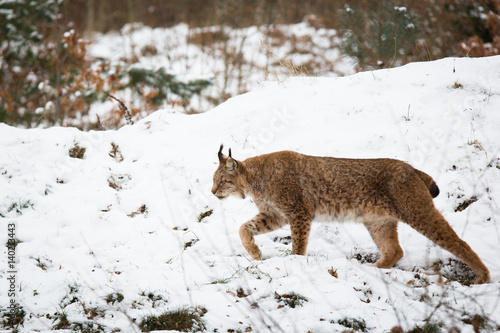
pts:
[220, 154]
[230, 152]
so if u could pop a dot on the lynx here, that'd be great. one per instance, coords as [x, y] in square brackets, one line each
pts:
[295, 189]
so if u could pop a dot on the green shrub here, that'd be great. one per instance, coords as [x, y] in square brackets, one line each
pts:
[184, 320]
[354, 324]
[156, 86]
[291, 300]
[377, 32]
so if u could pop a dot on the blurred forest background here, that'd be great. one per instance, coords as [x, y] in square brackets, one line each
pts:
[48, 78]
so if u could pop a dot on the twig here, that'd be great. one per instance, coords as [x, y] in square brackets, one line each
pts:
[43, 116]
[100, 127]
[126, 112]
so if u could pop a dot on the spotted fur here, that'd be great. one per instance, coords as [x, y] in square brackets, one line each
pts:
[295, 189]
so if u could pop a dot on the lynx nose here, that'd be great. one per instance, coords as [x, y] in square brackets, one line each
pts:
[214, 189]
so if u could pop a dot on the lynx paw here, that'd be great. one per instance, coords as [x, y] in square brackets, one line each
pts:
[254, 251]
[483, 279]
[386, 263]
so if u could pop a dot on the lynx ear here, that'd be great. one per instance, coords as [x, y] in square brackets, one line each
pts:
[222, 157]
[231, 164]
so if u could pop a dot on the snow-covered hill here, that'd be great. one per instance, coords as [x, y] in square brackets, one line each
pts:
[130, 229]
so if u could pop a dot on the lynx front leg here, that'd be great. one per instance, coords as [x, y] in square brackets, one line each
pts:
[260, 224]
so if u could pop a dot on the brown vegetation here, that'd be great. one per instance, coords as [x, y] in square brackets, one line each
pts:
[55, 82]
[447, 27]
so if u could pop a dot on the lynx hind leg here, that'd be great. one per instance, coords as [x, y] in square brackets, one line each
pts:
[385, 235]
[260, 224]
[434, 226]
[300, 235]
[414, 206]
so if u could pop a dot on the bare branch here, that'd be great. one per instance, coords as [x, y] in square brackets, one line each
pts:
[126, 112]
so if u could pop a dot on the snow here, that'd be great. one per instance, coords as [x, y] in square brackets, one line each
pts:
[254, 54]
[85, 236]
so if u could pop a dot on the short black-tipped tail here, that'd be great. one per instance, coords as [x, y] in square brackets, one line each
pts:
[434, 189]
[429, 182]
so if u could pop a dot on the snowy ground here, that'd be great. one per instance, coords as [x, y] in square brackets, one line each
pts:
[239, 62]
[125, 232]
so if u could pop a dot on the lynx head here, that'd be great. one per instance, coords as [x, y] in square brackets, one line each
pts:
[229, 178]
